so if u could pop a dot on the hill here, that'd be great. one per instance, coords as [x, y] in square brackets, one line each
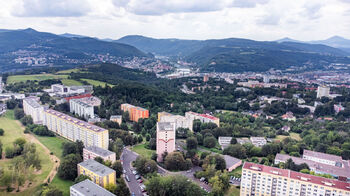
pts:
[237, 55]
[22, 48]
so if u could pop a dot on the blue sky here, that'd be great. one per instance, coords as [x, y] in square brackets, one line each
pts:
[188, 19]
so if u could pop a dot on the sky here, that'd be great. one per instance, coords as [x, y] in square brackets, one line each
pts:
[186, 19]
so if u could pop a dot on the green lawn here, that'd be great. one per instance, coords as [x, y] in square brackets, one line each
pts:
[13, 131]
[68, 71]
[62, 185]
[141, 150]
[97, 83]
[38, 77]
[54, 144]
[295, 136]
[233, 191]
[237, 172]
[70, 82]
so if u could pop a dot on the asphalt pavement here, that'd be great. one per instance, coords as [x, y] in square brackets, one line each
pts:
[127, 157]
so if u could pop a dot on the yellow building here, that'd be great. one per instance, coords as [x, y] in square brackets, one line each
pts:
[262, 180]
[74, 129]
[99, 174]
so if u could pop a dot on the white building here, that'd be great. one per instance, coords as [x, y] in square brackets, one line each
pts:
[204, 118]
[32, 107]
[165, 138]
[324, 158]
[323, 91]
[88, 188]
[258, 141]
[224, 142]
[62, 90]
[178, 120]
[93, 151]
[81, 108]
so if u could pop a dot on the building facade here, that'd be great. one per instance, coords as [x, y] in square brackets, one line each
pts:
[135, 113]
[323, 91]
[32, 107]
[116, 118]
[88, 188]
[224, 142]
[98, 173]
[82, 109]
[261, 180]
[180, 121]
[74, 129]
[204, 118]
[165, 138]
[93, 151]
[258, 141]
[324, 158]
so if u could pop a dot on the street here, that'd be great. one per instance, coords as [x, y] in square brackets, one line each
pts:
[128, 157]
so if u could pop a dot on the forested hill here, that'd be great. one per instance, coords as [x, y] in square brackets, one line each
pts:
[237, 55]
[28, 47]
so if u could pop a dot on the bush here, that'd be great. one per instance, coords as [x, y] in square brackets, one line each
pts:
[9, 152]
[1, 132]
[209, 142]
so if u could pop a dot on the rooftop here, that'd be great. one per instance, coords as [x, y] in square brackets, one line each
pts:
[204, 115]
[76, 121]
[89, 188]
[230, 161]
[96, 167]
[32, 102]
[132, 106]
[165, 126]
[297, 176]
[77, 97]
[323, 155]
[99, 151]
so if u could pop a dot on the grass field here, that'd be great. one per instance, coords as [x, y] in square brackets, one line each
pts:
[141, 150]
[97, 83]
[233, 191]
[38, 77]
[68, 71]
[62, 185]
[70, 82]
[54, 144]
[295, 136]
[13, 131]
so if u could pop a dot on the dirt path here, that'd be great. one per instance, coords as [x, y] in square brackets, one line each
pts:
[53, 158]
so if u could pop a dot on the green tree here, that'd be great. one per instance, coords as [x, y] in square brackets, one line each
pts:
[191, 143]
[236, 150]
[81, 178]
[118, 167]
[19, 113]
[209, 142]
[2, 132]
[68, 169]
[175, 161]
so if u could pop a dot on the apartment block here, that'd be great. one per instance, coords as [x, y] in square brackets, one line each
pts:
[116, 118]
[204, 118]
[180, 121]
[258, 141]
[323, 91]
[261, 180]
[88, 188]
[224, 142]
[32, 107]
[92, 152]
[82, 109]
[74, 129]
[135, 113]
[98, 173]
[324, 158]
[165, 138]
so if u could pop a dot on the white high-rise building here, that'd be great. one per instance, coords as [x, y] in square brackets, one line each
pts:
[32, 107]
[323, 91]
[165, 138]
[81, 108]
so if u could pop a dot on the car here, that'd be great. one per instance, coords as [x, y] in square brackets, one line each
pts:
[124, 171]
[137, 177]
[143, 187]
[140, 180]
[202, 179]
[127, 178]
[134, 172]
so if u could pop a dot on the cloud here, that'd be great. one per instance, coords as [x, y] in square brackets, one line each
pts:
[312, 11]
[270, 19]
[51, 8]
[161, 7]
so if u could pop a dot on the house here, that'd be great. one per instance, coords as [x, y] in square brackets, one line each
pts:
[232, 163]
[258, 141]
[286, 128]
[289, 116]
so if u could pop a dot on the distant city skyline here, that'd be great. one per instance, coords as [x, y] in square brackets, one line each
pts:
[192, 19]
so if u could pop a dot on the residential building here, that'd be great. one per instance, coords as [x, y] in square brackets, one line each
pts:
[323, 91]
[88, 188]
[289, 116]
[165, 138]
[135, 113]
[32, 107]
[341, 173]
[324, 158]
[180, 121]
[204, 118]
[286, 128]
[338, 108]
[232, 163]
[1, 85]
[205, 78]
[116, 118]
[98, 173]
[92, 152]
[258, 141]
[77, 97]
[224, 141]
[62, 90]
[270, 181]
[82, 109]
[243, 141]
[74, 129]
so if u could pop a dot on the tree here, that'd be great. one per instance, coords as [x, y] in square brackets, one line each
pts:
[152, 144]
[191, 143]
[145, 166]
[220, 183]
[233, 141]
[1, 132]
[111, 188]
[81, 178]
[209, 142]
[45, 98]
[217, 160]
[140, 139]
[26, 120]
[19, 113]
[122, 189]
[99, 159]
[117, 166]
[71, 148]
[236, 150]
[196, 125]
[175, 161]
[68, 169]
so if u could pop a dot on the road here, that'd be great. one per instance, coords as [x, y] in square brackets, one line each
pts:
[189, 174]
[128, 156]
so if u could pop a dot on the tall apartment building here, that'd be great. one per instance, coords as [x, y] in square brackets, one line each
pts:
[88, 188]
[324, 158]
[32, 107]
[135, 113]
[92, 152]
[180, 121]
[98, 173]
[165, 138]
[204, 118]
[81, 108]
[261, 180]
[75, 129]
[323, 91]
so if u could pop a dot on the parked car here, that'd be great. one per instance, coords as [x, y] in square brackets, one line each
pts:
[137, 177]
[127, 178]
[140, 180]
[124, 171]
[143, 187]
[202, 179]
[134, 172]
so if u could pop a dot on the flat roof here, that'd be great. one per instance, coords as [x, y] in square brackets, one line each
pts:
[96, 167]
[76, 121]
[230, 161]
[297, 176]
[321, 155]
[89, 188]
[132, 106]
[32, 102]
[165, 126]
[99, 151]
[204, 115]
